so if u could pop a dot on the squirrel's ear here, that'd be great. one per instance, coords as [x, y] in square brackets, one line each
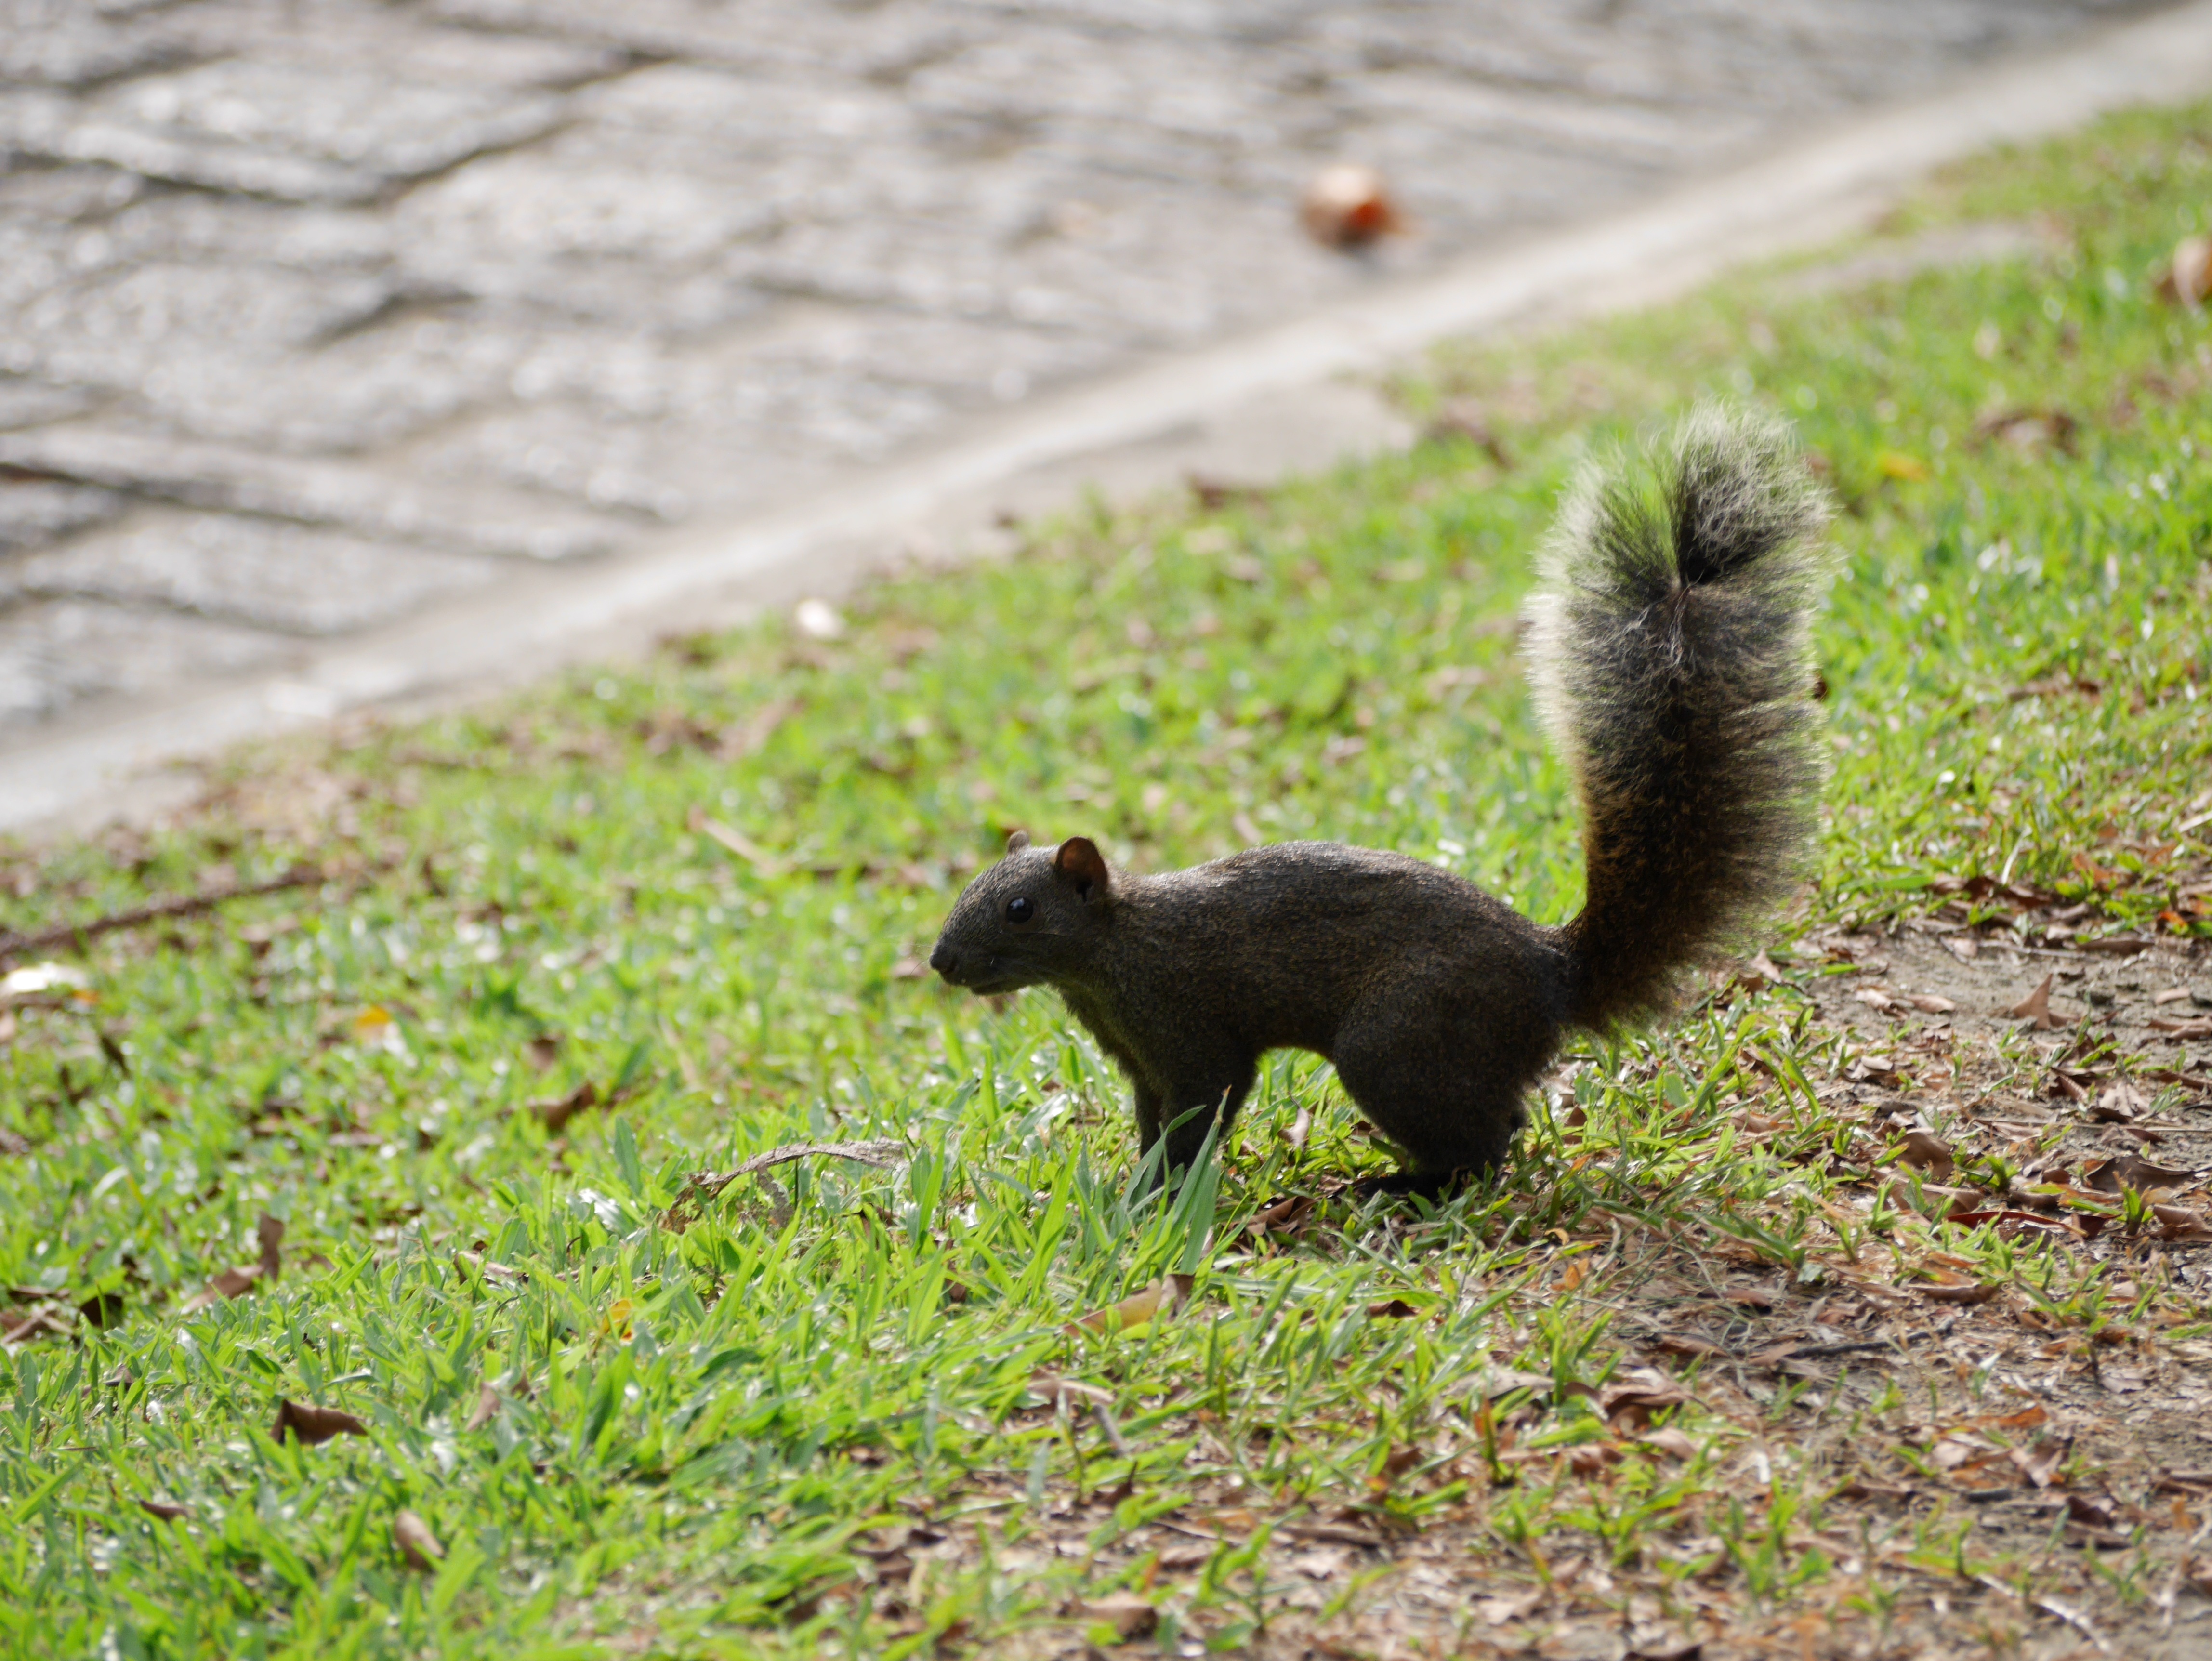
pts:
[1081, 863]
[1017, 842]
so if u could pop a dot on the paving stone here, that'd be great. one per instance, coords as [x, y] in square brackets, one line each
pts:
[307, 313]
[34, 512]
[66, 193]
[352, 35]
[278, 576]
[119, 325]
[25, 403]
[71, 43]
[303, 132]
[334, 493]
[56, 653]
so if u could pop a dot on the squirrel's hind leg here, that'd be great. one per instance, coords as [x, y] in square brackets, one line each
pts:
[1439, 1085]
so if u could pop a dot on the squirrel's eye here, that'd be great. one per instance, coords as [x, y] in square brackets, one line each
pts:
[1020, 909]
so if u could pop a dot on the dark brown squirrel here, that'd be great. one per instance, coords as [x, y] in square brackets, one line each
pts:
[1669, 650]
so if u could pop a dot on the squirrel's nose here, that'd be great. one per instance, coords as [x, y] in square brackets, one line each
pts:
[942, 960]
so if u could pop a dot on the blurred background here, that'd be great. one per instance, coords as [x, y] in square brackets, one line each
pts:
[314, 313]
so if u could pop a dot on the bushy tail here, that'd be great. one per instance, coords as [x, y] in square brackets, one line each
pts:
[1672, 660]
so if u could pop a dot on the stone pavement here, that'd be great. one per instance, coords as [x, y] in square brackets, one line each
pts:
[316, 312]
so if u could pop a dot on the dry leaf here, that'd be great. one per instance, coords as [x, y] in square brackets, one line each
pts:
[1675, 1343]
[1923, 1150]
[1325, 1563]
[2172, 994]
[1968, 1292]
[1928, 1004]
[744, 848]
[554, 1112]
[1348, 207]
[230, 1283]
[163, 1509]
[311, 1425]
[2200, 1027]
[1671, 1441]
[487, 1407]
[1288, 1215]
[1500, 1381]
[1156, 1302]
[1640, 1392]
[1129, 1615]
[416, 1543]
[1875, 998]
[1965, 947]
[2040, 1463]
[1500, 1611]
[541, 1050]
[1057, 1391]
[2187, 278]
[2036, 1005]
[1396, 1309]
[271, 1232]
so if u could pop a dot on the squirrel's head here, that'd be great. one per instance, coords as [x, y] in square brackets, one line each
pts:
[1029, 918]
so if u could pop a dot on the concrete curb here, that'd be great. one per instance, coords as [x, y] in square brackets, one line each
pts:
[1273, 401]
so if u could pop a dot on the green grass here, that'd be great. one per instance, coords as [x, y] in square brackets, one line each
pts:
[704, 1410]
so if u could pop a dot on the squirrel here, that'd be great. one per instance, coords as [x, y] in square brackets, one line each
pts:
[1669, 651]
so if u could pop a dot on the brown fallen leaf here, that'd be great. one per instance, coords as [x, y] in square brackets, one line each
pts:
[1501, 1381]
[487, 1407]
[1928, 1004]
[1675, 1343]
[1637, 1394]
[2120, 1103]
[1394, 1309]
[1127, 1615]
[2200, 1027]
[2178, 1223]
[1965, 947]
[314, 1426]
[1670, 1441]
[1288, 1215]
[542, 1050]
[270, 1232]
[1503, 1611]
[1968, 1292]
[1348, 206]
[421, 1548]
[1923, 1150]
[881, 1152]
[1875, 998]
[737, 841]
[164, 1510]
[2040, 1463]
[1138, 1309]
[1462, 418]
[2036, 1005]
[554, 1112]
[230, 1283]
[2187, 278]
[1060, 1393]
[1666, 1649]
[2172, 994]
